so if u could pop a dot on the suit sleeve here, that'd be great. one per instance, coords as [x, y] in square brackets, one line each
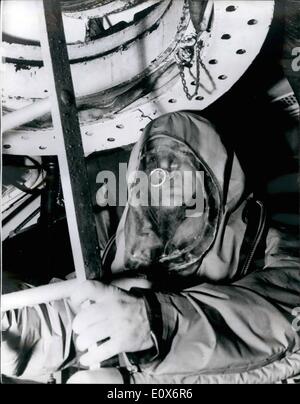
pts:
[37, 340]
[243, 332]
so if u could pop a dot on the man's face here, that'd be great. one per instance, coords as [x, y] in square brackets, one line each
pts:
[171, 168]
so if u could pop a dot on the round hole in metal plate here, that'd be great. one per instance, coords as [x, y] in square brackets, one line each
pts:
[252, 22]
[172, 100]
[111, 139]
[6, 146]
[213, 62]
[193, 83]
[199, 98]
[230, 9]
[226, 36]
[241, 51]
[120, 126]
[222, 77]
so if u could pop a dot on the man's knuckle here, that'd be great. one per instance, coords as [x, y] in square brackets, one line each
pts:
[93, 285]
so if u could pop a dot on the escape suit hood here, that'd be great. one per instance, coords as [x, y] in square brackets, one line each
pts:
[205, 245]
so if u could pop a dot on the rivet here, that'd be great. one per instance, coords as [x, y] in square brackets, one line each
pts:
[42, 147]
[252, 22]
[111, 139]
[120, 126]
[222, 77]
[6, 146]
[199, 98]
[226, 36]
[172, 100]
[213, 62]
[241, 51]
[230, 9]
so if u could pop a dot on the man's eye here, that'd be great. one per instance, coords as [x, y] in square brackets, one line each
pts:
[151, 159]
[185, 153]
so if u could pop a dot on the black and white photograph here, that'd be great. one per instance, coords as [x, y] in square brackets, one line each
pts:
[150, 194]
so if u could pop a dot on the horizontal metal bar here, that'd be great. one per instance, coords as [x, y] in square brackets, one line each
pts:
[27, 114]
[38, 295]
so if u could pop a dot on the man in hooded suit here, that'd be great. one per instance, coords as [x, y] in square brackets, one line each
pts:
[202, 308]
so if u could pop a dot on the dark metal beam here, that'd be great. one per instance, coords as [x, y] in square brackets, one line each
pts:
[74, 178]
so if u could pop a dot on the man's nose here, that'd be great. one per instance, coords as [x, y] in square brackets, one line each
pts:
[168, 163]
[164, 163]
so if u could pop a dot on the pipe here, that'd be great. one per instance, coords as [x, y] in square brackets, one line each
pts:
[38, 295]
[24, 115]
[59, 290]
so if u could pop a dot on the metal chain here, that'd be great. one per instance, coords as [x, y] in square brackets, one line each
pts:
[182, 26]
[196, 78]
[187, 53]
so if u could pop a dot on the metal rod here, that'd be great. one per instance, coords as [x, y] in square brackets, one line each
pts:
[24, 115]
[38, 295]
[74, 178]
